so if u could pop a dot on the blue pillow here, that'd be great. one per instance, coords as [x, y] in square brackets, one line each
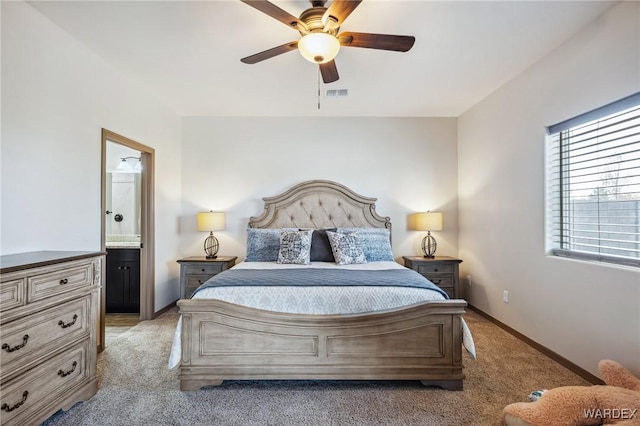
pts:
[375, 242]
[320, 246]
[263, 245]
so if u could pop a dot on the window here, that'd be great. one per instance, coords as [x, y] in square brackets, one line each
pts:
[593, 184]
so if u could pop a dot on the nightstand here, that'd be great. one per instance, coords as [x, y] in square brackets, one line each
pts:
[195, 270]
[440, 270]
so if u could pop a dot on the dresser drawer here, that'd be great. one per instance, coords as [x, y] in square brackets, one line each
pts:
[34, 336]
[210, 269]
[12, 294]
[195, 281]
[59, 281]
[442, 271]
[24, 396]
[450, 292]
[428, 269]
[441, 280]
[445, 282]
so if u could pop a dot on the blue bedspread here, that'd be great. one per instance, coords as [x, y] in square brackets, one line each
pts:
[316, 277]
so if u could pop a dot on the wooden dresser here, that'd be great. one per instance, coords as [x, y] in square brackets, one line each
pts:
[49, 303]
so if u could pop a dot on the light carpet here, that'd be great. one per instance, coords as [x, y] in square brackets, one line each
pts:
[136, 388]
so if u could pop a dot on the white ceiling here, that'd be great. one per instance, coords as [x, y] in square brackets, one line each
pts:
[188, 53]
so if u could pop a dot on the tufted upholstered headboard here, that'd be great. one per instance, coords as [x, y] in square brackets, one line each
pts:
[318, 204]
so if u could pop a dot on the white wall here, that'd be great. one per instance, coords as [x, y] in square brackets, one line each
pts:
[583, 311]
[57, 96]
[229, 164]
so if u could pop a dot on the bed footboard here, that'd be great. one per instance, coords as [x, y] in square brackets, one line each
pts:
[224, 341]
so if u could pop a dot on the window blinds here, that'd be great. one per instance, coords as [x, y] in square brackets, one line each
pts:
[593, 184]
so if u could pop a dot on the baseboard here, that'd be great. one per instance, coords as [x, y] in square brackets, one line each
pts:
[165, 309]
[548, 352]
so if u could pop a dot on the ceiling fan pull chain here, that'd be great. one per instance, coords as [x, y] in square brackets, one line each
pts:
[318, 88]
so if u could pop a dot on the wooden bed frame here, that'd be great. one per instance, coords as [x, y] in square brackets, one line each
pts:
[225, 341]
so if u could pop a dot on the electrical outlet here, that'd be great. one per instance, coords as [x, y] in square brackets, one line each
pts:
[505, 296]
[468, 279]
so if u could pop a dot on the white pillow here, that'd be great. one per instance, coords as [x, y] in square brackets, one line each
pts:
[346, 248]
[295, 247]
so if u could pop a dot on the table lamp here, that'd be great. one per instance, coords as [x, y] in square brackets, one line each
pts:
[429, 221]
[211, 221]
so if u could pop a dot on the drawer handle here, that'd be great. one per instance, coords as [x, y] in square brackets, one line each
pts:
[73, 368]
[73, 321]
[437, 282]
[8, 409]
[25, 339]
[203, 270]
[64, 281]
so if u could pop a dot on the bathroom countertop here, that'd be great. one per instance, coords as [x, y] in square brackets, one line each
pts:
[122, 244]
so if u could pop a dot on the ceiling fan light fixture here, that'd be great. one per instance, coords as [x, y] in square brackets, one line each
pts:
[319, 47]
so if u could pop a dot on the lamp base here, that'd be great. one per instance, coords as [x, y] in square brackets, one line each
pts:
[211, 246]
[429, 245]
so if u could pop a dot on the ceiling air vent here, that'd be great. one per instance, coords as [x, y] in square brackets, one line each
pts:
[336, 93]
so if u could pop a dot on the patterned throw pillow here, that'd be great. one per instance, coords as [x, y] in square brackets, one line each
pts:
[295, 247]
[346, 248]
[376, 242]
[263, 245]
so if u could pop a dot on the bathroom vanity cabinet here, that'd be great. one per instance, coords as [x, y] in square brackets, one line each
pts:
[123, 280]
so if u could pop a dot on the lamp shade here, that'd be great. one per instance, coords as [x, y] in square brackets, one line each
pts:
[429, 221]
[129, 165]
[123, 165]
[210, 221]
[319, 47]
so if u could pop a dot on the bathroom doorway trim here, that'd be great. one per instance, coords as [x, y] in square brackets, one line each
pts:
[147, 236]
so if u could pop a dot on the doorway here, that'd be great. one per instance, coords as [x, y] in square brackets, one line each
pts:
[127, 234]
[122, 229]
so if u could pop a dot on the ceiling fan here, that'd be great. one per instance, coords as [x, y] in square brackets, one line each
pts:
[320, 41]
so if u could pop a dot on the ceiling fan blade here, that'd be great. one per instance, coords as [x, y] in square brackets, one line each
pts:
[397, 43]
[329, 72]
[275, 12]
[337, 12]
[270, 53]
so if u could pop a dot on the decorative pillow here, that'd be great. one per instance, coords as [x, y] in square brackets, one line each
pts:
[346, 248]
[376, 242]
[295, 247]
[263, 245]
[320, 246]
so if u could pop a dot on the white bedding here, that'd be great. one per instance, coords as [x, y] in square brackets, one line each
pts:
[318, 300]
